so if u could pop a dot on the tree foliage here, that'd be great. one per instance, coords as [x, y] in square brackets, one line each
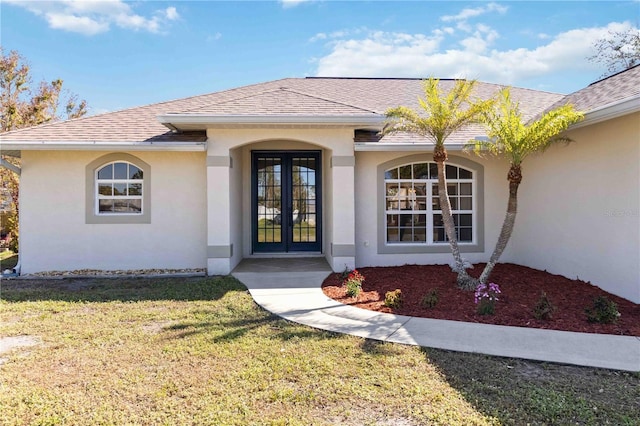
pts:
[511, 137]
[442, 114]
[22, 105]
[618, 51]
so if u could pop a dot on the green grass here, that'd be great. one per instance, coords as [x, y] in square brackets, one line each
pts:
[199, 351]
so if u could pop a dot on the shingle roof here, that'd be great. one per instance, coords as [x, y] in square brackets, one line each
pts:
[616, 87]
[291, 96]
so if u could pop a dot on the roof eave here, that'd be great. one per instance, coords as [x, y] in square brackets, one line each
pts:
[397, 146]
[18, 145]
[202, 121]
[610, 111]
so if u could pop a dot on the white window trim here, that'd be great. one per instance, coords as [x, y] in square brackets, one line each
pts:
[477, 243]
[91, 196]
[429, 212]
[99, 196]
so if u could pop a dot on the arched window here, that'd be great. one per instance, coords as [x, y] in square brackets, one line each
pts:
[412, 206]
[119, 189]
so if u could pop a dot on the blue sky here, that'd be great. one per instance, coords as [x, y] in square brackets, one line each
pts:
[118, 54]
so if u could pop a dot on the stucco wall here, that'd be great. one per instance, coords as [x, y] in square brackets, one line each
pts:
[239, 143]
[54, 235]
[579, 210]
[368, 199]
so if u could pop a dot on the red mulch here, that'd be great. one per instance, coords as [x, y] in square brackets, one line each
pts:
[521, 289]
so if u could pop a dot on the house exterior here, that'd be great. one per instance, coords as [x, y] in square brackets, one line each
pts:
[296, 167]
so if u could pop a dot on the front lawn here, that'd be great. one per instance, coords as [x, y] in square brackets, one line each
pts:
[199, 351]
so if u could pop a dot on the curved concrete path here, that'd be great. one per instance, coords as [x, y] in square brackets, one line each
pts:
[290, 288]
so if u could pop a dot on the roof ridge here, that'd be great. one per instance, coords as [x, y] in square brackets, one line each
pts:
[328, 99]
[522, 88]
[612, 75]
[137, 107]
[261, 92]
[286, 89]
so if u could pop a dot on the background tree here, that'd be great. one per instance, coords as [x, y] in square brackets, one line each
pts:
[618, 51]
[443, 115]
[23, 106]
[512, 138]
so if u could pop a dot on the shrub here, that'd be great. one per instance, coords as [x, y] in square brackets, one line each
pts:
[393, 299]
[430, 300]
[353, 288]
[603, 311]
[353, 282]
[345, 274]
[544, 309]
[486, 296]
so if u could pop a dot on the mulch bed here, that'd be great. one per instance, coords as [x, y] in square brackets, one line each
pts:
[521, 290]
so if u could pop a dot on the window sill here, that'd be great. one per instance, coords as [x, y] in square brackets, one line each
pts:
[417, 248]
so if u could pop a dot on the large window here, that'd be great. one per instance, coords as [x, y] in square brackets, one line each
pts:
[412, 205]
[119, 189]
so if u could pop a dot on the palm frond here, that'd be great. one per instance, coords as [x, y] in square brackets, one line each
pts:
[514, 138]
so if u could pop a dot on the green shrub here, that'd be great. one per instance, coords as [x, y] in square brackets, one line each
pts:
[544, 309]
[485, 297]
[603, 311]
[353, 288]
[345, 274]
[353, 282]
[430, 300]
[393, 299]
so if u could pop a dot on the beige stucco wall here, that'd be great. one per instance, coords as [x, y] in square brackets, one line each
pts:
[54, 235]
[368, 209]
[579, 210]
[338, 201]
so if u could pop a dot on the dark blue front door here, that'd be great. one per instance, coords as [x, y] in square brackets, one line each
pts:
[286, 193]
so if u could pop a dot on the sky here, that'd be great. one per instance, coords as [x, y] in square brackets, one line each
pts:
[119, 54]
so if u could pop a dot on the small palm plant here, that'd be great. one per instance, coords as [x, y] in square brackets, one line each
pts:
[442, 115]
[512, 138]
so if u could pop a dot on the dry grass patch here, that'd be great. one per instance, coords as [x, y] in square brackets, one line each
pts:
[199, 351]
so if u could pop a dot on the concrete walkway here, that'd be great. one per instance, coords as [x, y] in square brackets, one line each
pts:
[290, 288]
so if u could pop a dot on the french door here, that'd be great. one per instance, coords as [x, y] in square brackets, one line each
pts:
[286, 206]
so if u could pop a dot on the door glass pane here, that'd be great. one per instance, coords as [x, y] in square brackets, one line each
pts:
[269, 204]
[303, 196]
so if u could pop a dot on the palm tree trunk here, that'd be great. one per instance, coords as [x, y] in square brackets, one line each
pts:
[464, 280]
[515, 177]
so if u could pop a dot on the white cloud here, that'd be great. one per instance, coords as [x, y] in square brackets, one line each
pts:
[214, 37]
[90, 17]
[77, 24]
[292, 3]
[465, 14]
[382, 54]
[319, 36]
[171, 13]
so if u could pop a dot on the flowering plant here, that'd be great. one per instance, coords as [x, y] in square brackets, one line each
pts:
[486, 297]
[353, 282]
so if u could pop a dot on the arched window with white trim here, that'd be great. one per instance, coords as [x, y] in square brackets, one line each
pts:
[412, 205]
[119, 189]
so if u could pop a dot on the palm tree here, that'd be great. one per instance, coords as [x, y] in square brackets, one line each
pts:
[512, 138]
[443, 115]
